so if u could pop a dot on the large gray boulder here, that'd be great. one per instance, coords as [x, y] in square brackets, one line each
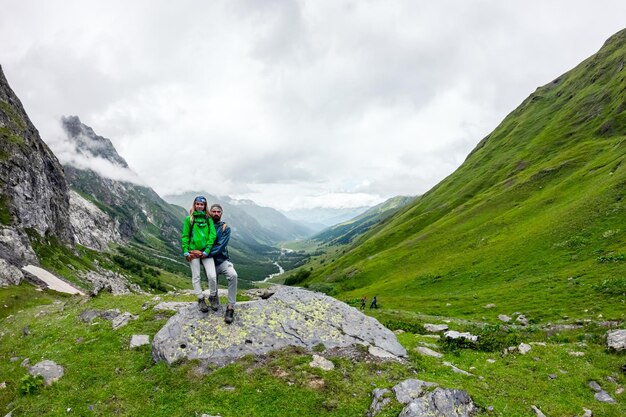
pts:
[291, 317]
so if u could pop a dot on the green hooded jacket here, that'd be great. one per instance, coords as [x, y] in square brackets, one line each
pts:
[201, 235]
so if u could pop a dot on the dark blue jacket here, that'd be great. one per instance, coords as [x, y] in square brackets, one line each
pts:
[219, 250]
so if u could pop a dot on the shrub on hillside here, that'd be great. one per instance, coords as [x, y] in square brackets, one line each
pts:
[298, 277]
[406, 325]
[30, 384]
[327, 289]
[493, 338]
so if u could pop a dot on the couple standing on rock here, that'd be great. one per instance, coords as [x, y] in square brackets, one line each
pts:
[205, 240]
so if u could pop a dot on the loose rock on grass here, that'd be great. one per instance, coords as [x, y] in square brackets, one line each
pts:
[616, 339]
[49, 370]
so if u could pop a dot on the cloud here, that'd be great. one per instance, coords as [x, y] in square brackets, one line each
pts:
[66, 152]
[289, 102]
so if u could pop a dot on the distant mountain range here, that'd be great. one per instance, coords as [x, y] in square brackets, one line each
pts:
[319, 218]
[256, 226]
[346, 232]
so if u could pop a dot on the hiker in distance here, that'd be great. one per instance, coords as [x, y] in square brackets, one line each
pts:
[197, 238]
[374, 303]
[363, 302]
[223, 265]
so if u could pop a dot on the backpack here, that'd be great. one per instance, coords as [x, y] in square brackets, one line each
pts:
[206, 217]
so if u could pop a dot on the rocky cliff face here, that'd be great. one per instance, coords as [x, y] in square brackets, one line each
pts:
[33, 190]
[91, 226]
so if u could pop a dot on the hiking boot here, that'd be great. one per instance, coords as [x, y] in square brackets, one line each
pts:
[202, 305]
[228, 317]
[214, 301]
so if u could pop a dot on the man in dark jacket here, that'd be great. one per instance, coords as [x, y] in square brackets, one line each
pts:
[219, 253]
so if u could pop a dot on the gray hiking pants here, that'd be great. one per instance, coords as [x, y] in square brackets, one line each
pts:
[227, 269]
[209, 268]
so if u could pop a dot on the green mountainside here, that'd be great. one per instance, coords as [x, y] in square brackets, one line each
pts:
[533, 221]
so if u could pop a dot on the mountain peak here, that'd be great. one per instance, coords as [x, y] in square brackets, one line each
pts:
[88, 143]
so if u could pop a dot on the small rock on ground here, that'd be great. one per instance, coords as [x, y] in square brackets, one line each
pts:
[457, 370]
[139, 340]
[524, 348]
[380, 400]
[322, 363]
[441, 402]
[616, 339]
[410, 389]
[604, 397]
[428, 352]
[122, 320]
[595, 386]
[537, 411]
[453, 334]
[435, 328]
[49, 370]
[504, 318]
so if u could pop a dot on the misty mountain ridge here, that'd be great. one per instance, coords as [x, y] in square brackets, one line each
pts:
[90, 144]
[319, 218]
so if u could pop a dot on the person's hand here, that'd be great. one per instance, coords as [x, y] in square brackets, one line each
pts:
[204, 255]
[195, 254]
[189, 258]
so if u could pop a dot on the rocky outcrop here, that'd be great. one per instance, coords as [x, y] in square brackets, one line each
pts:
[33, 190]
[441, 403]
[9, 274]
[91, 226]
[291, 317]
[105, 280]
[15, 246]
[423, 398]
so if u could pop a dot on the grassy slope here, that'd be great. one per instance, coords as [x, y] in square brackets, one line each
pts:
[104, 377]
[534, 220]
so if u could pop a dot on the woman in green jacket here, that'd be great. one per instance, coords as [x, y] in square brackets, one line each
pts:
[197, 238]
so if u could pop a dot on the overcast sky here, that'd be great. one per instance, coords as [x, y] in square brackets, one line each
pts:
[291, 103]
